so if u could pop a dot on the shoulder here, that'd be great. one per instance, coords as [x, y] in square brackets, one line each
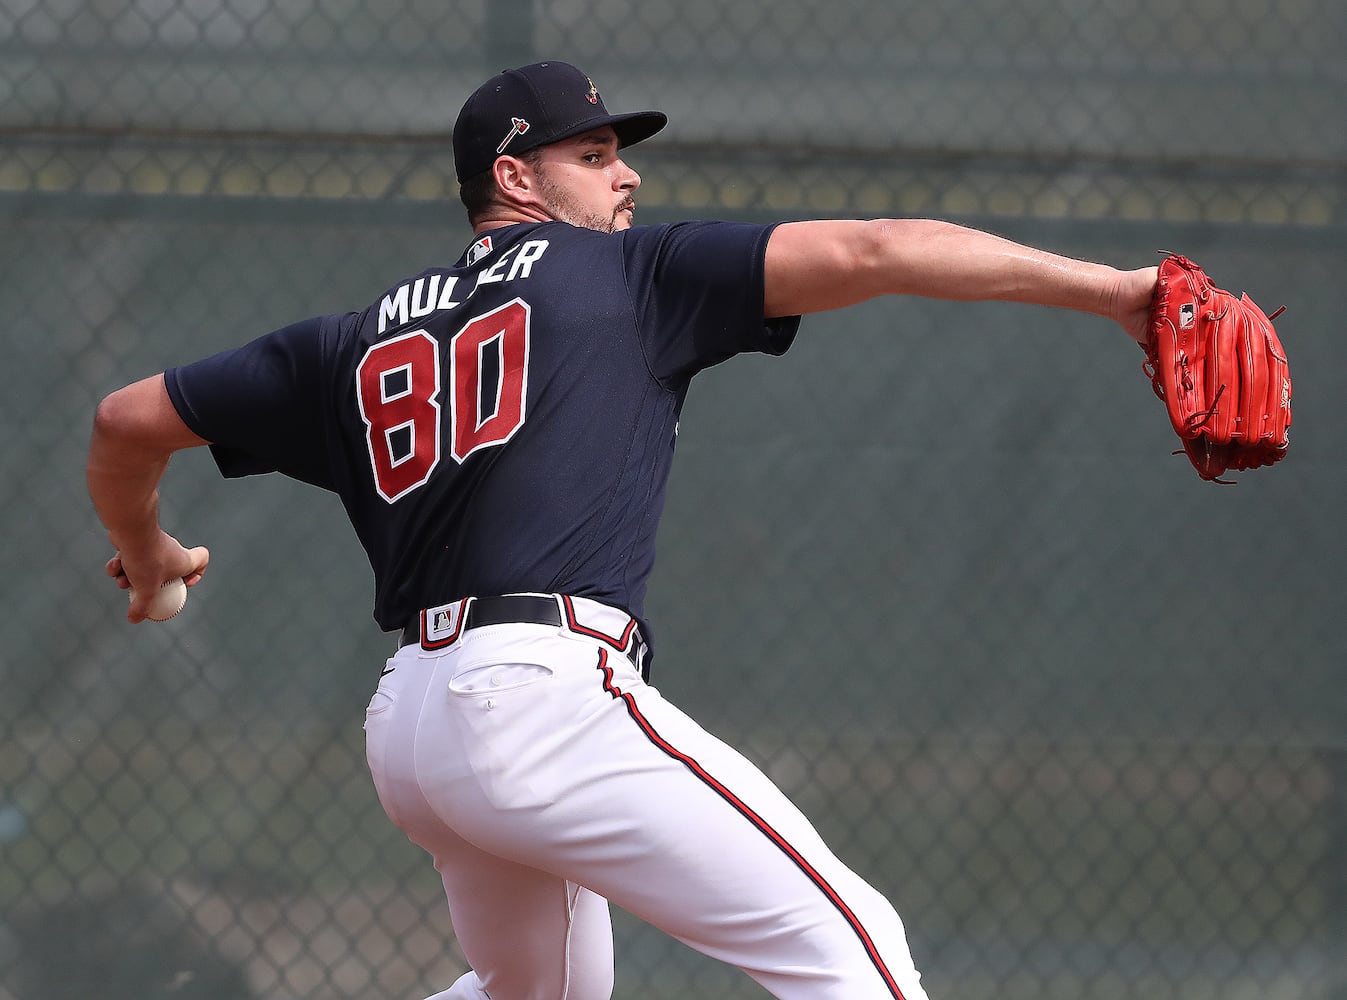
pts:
[702, 236]
[698, 251]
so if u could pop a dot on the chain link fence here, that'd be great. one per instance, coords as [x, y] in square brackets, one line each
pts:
[1080, 715]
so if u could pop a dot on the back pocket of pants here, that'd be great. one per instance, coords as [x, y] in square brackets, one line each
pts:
[492, 678]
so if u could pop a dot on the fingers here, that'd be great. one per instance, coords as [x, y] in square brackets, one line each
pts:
[113, 568]
[200, 557]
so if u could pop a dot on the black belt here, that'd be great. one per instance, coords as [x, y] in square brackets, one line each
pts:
[514, 609]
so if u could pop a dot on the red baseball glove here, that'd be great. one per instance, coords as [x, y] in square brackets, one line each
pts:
[1216, 362]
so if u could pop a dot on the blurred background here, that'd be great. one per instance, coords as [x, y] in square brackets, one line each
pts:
[1080, 715]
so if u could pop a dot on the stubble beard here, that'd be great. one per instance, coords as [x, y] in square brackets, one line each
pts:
[564, 208]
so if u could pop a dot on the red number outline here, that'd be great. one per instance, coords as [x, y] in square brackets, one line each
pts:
[418, 408]
[508, 327]
[416, 353]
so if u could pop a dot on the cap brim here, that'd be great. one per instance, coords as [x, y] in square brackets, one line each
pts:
[637, 126]
[631, 128]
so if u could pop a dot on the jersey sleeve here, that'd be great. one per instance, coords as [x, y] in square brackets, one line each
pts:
[261, 405]
[697, 289]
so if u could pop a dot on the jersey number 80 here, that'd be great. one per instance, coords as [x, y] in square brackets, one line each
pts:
[398, 391]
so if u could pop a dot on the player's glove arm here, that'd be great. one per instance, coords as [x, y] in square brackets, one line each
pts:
[816, 266]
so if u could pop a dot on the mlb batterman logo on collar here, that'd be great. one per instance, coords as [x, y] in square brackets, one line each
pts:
[521, 109]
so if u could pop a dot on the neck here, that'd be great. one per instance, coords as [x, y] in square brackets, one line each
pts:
[498, 216]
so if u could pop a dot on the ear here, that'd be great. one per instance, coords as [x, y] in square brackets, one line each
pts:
[515, 179]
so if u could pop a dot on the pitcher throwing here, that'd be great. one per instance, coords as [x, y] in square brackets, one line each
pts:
[500, 431]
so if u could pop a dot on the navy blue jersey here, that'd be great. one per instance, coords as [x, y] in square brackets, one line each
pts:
[504, 425]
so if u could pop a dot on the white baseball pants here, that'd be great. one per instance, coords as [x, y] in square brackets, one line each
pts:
[545, 778]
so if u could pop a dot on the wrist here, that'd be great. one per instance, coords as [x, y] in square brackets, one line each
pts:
[136, 531]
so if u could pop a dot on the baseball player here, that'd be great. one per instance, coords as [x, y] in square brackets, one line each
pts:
[500, 431]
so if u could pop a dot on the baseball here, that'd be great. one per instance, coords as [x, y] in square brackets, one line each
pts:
[167, 603]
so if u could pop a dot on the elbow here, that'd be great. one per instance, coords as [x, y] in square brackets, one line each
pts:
[116, 418]
[880, 254]
[111, 415]
[141, 416]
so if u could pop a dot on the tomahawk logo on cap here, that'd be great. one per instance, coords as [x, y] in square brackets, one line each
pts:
[533, 106]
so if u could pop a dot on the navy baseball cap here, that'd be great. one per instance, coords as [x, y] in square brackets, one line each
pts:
[521, 109]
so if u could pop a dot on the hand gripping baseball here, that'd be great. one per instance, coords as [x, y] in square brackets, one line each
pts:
[156, 578]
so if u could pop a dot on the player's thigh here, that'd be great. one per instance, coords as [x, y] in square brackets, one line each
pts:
[717, 855]
[528, 935]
